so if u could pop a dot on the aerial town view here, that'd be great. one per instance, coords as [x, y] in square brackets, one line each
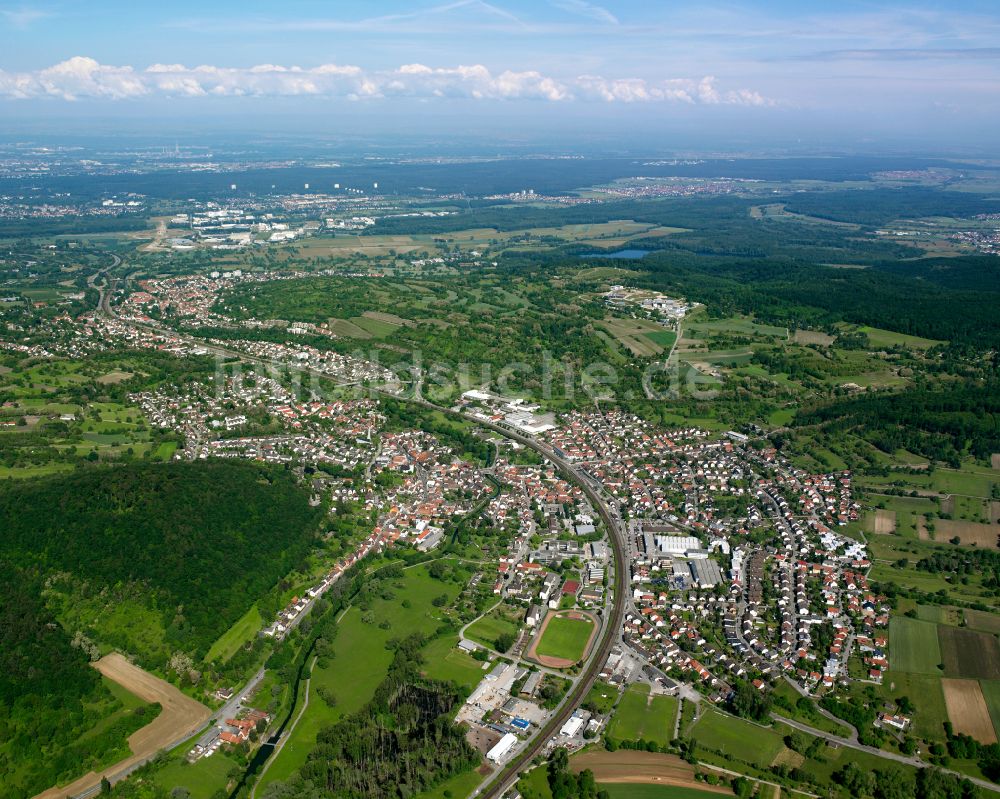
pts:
[500, 400]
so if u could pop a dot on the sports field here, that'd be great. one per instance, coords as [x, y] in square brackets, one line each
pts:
[563, 639]
[913, 646]
[642, 718]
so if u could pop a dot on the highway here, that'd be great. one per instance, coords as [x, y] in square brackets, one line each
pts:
[611, 622]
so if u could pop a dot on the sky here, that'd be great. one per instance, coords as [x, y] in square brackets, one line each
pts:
[733, 75]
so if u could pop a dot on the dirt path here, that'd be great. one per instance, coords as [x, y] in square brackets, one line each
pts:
[181, 717]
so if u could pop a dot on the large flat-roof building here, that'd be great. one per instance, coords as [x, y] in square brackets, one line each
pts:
[502, 747]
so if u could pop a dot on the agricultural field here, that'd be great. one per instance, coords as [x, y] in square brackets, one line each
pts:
[985, 622]
[970, 534]
[635, 791]
[641, 337]
[940, 614]
[966, 653]
[883, 522]
[914, 646]
[639, 770]
[640, 716]
[967, 709]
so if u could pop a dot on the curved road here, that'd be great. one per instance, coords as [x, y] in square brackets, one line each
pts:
[611, 622]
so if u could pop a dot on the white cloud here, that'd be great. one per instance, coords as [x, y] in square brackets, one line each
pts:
[24, 17]
[82, 77]
[585, 9]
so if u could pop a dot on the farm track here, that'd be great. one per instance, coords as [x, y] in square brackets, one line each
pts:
[180, 718]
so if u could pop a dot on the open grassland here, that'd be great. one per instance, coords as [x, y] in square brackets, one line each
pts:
[599, 234]
[991, 693]
[927, 695]
[966, 653]
[241, 633]
[503, 620]
[913, 645]
[360, 661]
[202, 779]
[735, 738]
[736, 326]
[888, 338]
[642, 717]
[443, 660]
[971, 480]
[460, 785]
[967, 709]
[602, 696]
[887, 550]
[635, 768]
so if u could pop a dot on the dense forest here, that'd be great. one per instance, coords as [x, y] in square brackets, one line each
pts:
[402, 743]
[882, 205]
[940, 424]
[205, 539]
[801, 294]
[50, 697]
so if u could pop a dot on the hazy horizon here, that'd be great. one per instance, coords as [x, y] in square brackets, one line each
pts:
[897, 76]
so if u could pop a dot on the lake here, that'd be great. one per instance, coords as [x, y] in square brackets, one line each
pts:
[627, 255]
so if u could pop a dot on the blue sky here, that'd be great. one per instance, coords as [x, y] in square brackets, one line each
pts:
[874, 70]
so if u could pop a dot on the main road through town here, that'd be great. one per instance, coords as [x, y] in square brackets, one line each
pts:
[611, 622]
[502, 781]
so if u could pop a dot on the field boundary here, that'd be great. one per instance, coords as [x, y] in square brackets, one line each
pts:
[180, 718]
